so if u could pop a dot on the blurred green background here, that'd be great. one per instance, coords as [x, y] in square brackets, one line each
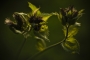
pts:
[10, 43]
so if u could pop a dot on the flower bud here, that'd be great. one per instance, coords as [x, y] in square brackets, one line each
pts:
[69, 15]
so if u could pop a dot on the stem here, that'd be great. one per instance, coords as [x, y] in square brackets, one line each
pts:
[20, 49]
[67, 26]
[37, 54]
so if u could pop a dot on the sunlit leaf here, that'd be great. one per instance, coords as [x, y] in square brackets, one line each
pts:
[72, 30]
[34, 8]
[46, 16]
[71, 45]
[41, 45]
[43, 34]
[60, 16]
[80, 13]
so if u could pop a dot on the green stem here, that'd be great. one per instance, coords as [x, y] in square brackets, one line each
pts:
[18, 54]
[67, 27]
[37, 54]
[58, 43]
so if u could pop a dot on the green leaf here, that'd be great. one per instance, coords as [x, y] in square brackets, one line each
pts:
[69, 13]
[46, 16]
[80, 13]
[43, 33]
[72, 30]
[34, 8]
[60, 17]
[71, 45]
[41, 45]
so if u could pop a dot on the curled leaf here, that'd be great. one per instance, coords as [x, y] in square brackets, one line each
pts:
[21, 24]
[42, 33]
[71, 45]
[41, 36]
[12, 26]
[41, 45]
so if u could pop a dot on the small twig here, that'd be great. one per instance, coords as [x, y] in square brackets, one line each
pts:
[67, 27]
[20, 49]
[37, 54]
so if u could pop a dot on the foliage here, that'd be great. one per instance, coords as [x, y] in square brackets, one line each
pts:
[36, 21]
[69, 17]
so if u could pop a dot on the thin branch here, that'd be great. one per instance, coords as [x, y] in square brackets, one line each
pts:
[18, 54]
[37, 54]
[67, 27]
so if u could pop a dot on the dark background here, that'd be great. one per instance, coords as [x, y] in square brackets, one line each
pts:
[10, 43]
